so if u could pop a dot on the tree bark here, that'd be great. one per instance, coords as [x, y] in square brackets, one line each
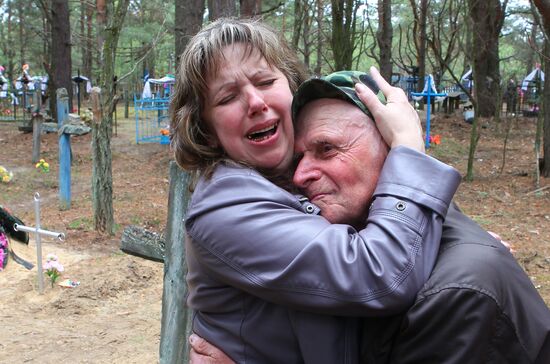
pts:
[109, 21]
[420, 14]
[8, 48]
[545, 172]
[343, 33]
[297, 28]
[189, 14]
[87, 39]
[320, 39]
[22, 42]
[61, 48]
[384, 36]
[143, 243]
[488, 18]
[250, 8]
[221, 8]
[543, 7]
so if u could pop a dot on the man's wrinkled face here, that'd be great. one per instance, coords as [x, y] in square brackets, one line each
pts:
[339, 154]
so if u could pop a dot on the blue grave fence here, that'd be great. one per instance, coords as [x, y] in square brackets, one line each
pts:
[151, 117]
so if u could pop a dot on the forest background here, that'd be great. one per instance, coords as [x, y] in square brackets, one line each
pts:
[435, 36]
[119, 43]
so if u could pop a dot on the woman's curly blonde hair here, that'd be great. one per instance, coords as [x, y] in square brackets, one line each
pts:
[189, 133]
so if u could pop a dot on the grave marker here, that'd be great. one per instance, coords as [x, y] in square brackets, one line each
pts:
[38, 232]
[428, 93]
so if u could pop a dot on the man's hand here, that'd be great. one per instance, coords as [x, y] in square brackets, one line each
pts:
[202, 352]
[397, 121]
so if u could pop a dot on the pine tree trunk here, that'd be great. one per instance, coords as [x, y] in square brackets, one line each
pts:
[319, 17]
[543, 7]
[343, 30]
[22, 43]
[221, 8]
[297, 28]
[87, 34]
[250, 8]
[546, 110]
[188, 15]
[385, 38]
[102, 177]
[61, 48]
[109, 26]
[488, 18]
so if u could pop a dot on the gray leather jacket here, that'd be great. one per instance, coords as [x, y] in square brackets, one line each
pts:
[255, 250]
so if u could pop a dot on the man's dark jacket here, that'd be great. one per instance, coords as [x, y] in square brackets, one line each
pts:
[478, 306]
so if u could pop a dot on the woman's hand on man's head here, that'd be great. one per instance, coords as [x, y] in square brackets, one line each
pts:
[397, 120]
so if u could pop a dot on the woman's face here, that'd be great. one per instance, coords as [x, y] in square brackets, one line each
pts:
[247, 107]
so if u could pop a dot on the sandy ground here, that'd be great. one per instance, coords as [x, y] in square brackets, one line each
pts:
[114, 315]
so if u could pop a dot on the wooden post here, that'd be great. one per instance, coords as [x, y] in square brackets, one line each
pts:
[64, 150]
[36, 124]
[176, 316]
[36, 132]
[126, 104]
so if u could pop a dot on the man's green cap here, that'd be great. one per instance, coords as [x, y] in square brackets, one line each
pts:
[337, 85]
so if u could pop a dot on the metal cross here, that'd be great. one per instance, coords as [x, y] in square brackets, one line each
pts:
[38, 232]
[429, 94]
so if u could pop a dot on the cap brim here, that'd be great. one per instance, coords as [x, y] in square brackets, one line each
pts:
[315, 89]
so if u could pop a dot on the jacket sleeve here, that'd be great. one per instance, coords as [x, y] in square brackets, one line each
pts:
[254, 236]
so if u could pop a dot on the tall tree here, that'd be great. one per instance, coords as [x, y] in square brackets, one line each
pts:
[420, 13]
[189, 14]
[221, 8]
[443, 38]
[61, 47]
[7, 46]
[22, 38]
[320, 12]
[543, 7]
[303, 19]
[86, 34]
[343, 32]
[384, 38]
[110, 17]
[488, 19]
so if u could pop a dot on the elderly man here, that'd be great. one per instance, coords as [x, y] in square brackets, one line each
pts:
[478, 305]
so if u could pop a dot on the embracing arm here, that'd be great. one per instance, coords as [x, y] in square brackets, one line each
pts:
[254, 236]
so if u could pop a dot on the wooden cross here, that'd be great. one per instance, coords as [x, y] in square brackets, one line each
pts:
[38, 232]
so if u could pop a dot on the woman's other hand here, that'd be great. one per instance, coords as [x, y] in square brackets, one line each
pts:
[202, 352]
[397, 121]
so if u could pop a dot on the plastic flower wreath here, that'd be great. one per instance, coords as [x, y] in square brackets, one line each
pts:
[52, 268]
[5, 175]
[3, 249]
[43, 166]
[164, 131]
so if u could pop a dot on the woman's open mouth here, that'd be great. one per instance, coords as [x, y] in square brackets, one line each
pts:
[263, 134]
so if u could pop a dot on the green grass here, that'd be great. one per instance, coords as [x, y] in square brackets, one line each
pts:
[448, 151]
[483, 221]
[82, 223]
